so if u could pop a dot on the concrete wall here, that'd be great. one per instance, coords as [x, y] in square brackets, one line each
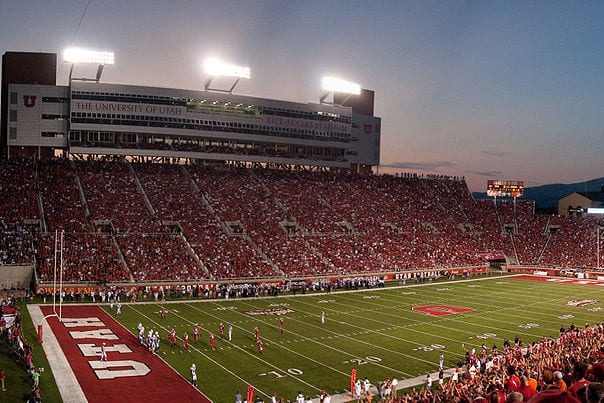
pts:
[15, 276]
[573, 200]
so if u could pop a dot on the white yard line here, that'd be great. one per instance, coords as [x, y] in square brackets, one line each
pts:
[385, 324]
[274, 343]
[323, 329]
[160, 357]
[257, 357]
[67, 383]
[309, 339]
[204, 355]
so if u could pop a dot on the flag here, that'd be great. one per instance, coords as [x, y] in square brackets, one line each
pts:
[353, 379]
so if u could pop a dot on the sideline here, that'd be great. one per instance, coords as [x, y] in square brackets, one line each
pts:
[308, 294]
[407, 383]
[68, 385]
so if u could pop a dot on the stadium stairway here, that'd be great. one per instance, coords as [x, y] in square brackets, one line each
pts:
[195, 256]
[141, 190]
[257, 248]
[43, 226]
[81, 190]
[121, 257]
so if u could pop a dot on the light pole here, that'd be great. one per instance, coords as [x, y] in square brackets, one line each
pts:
[217, 68]
[87, 56]
[331, 85]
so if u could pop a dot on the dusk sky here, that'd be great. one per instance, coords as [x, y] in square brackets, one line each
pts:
[489, 90]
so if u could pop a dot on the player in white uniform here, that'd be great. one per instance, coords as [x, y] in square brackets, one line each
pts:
[118, 312]
[150, 340]
[103, 353]
[322, 317]
[366, 385]
[141, 336]
[441, 360]
[230, 331]
[358, 392]
[193, 374]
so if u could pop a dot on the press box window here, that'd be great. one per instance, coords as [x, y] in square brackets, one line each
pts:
[59, 135]
[12, 133]
[13, 115]
[13, 98]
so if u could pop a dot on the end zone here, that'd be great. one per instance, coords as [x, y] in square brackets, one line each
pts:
[559, 280]
[130, 373]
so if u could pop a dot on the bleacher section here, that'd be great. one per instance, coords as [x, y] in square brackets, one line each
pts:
[157, 222]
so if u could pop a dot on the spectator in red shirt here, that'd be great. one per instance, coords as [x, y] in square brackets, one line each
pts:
[513, 383]
[525, 389]
[579, 381]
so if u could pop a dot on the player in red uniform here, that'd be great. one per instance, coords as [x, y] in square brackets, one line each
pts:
[196, 332]
[221, 330]
[162, 312]
[212, 341]
[257, 334]
[172, 338]
[185, 342]
[260, 346]
[281, 325]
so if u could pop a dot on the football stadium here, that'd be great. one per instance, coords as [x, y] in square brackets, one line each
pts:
[175, 245]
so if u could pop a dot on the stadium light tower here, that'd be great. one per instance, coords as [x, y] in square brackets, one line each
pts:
[331, 85]
[217, 68]
[87, 56]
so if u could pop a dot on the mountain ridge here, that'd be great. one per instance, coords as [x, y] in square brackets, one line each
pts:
[547, 196]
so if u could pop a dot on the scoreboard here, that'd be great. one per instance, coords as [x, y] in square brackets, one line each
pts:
[502, 188]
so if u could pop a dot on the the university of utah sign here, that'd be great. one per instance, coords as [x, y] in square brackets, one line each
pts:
[29, 101]
[441, 310]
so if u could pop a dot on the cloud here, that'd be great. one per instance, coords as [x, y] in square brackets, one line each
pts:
[496, 153]
[420, 166]
[485, 173]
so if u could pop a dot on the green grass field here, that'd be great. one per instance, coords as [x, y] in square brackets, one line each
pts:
[18, 381]
[374, 331]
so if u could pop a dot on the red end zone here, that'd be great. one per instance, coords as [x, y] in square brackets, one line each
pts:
[559, 280]
[129, 374]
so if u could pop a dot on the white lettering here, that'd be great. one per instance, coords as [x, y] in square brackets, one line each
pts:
[103, 334]
[101, 371]
[92, 350]
[81, 322]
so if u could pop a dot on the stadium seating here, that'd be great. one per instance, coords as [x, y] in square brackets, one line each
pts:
[63, 207]
[18, 201]
[153, 221]
[86, 257]
[112, 195]
[557, 370]
[16, 244]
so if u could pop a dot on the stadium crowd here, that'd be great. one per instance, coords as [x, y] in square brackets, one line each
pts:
[569, 368]
[16, 244]
[157, 221]
[11, 331]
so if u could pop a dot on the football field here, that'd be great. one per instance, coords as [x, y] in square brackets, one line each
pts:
[393, 332]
